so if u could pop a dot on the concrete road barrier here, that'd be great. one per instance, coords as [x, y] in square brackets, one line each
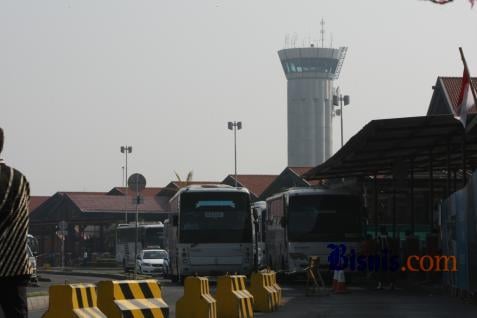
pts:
[74, 300]
[132, 298]
[265, 296]
[197, 301]
[233, 300]
[274, 284]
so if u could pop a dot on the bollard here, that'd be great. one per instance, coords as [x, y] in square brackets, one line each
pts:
[233, 300]
[132, 298]
[264, 294]
[73, 300]
[197, 301]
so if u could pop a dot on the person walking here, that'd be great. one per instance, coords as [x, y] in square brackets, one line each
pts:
[15, 269]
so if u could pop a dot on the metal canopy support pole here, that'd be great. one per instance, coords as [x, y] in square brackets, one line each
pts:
[235, 152]
[464, 174]
[455, 180]
[431, 189]
[413, 221]
[375, 205]
[394, 207]
[448, 169]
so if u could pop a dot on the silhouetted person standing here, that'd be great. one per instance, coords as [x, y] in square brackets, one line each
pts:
[15, 269]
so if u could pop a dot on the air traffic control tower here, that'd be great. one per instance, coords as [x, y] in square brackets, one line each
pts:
[310, 72]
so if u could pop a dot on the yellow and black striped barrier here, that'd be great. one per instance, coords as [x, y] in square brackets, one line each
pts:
[74, 300]
[197, 301]
[265, 296]
[274, 284]
[233, 300]
[132, 299]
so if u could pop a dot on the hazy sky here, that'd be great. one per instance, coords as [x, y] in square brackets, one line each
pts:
[80, 78]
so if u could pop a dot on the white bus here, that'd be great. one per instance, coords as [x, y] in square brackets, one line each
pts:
[302, 222]
[210, 231]
[149, 236]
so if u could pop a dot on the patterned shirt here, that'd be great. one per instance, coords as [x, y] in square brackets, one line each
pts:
[14, 201]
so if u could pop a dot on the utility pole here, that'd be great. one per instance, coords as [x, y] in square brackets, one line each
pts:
[236, 125]
[126, 150]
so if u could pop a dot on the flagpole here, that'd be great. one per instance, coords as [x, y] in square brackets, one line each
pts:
[473, 122]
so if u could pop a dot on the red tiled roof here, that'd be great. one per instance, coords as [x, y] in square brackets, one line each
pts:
[36, 201]
[82, 192]
[300, 170]
[148, 191]
[256, 183]
[452, 87]
[112, 203]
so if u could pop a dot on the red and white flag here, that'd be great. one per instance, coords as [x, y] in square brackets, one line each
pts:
[466, 98]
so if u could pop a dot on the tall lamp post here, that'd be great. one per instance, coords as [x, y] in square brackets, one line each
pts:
[340, 100]
[236, 125]
[126, 150]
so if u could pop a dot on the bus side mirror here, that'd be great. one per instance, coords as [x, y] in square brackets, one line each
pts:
[175, 220]
[283, 221]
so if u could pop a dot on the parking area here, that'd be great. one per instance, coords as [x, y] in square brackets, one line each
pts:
[360, 301]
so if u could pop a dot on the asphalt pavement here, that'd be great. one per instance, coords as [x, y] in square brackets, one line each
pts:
[360, 302]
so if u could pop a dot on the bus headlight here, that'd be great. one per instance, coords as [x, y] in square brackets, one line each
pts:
[185, 256]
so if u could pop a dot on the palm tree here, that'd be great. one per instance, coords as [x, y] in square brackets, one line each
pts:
[187, 180]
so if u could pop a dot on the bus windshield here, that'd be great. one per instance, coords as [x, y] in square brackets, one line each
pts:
[324, 218]
[153, 237]
[148, 236]
[215, 217]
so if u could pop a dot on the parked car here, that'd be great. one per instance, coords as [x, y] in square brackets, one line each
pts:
[32, 261]
[153, 261]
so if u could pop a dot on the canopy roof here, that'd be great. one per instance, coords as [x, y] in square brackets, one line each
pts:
[418, 142]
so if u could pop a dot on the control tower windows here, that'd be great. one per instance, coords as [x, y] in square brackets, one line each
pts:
[320, 65]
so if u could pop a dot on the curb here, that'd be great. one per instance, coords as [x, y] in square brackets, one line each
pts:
[91, 274]
[38, 302]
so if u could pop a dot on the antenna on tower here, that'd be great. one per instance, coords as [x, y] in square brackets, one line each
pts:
[322, 32]
[331, 40]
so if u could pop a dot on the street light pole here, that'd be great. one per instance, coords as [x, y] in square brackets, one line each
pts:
[137, 183]
[340, 100]
[235, 126]
[341, 115]
[126, 150]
